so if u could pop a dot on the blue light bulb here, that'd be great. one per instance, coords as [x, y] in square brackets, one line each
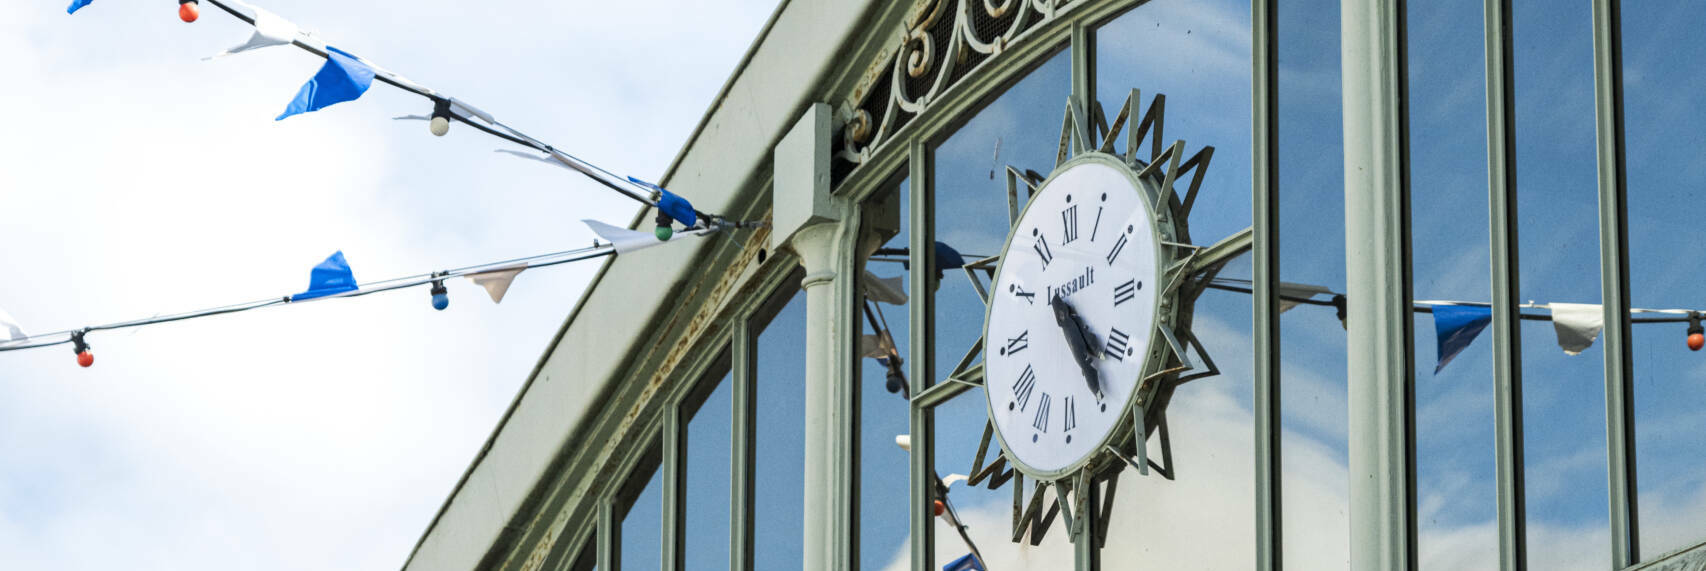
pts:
[440, 301]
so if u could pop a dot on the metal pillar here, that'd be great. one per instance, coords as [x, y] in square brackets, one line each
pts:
[1381, 364]
[1264, 192]
[1507, 327]
[1614, 281]
[809, 222]
[921, 419]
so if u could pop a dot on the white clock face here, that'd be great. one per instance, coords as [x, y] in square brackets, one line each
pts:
[1070, 316]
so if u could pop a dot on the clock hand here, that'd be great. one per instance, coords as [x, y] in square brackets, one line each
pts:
[1073, 328]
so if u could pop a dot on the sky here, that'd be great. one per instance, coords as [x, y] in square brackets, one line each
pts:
[141, 180]
[137, 179]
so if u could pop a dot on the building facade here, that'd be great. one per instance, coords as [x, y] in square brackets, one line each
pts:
[811, 395]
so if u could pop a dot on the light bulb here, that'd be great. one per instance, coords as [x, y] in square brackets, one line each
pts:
[440, 301]
[188, 11]
[664, 233]
[86, 358]
[439, 126]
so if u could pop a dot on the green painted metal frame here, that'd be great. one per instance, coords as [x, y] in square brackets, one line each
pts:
[1265, 272]
[1507, 327]
[1380, 347]
[1614, 281]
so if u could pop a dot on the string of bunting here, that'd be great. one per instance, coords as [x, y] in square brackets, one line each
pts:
[346, 77]
[1458, 323]
[334, 278]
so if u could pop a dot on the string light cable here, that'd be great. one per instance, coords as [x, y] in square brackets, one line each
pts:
[446, 108]
[436, 279]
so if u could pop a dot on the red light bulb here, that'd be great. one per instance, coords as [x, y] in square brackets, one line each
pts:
[1696, 341]
[939, 507]
[86, 358]
[188, 11]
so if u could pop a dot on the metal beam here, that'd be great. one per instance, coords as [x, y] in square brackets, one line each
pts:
[674, 489]
[1264, 210]
[1377, 271]
[609, 534]
[1614, 281]
[1507, 324]
[742, 443]
[921, 419]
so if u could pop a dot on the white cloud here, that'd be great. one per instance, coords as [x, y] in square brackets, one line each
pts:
[137, 179]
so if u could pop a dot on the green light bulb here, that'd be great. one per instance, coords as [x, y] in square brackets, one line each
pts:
[664, 233]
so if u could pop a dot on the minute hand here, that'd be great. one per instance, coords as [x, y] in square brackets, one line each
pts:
[1077, 342]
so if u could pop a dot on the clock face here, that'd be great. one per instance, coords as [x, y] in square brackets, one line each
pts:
[1070, 317]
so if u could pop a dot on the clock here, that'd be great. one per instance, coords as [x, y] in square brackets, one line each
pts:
[1072, 315]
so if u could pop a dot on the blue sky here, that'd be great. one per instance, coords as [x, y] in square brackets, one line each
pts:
[140, 179]
[137, 179]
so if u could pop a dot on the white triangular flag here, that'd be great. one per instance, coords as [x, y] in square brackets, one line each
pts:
[626, 240]
[270, 30]
[887, 290]
[9, 327]
[496, 281]
[876, 346]
[1577, 324]
[1297, 292]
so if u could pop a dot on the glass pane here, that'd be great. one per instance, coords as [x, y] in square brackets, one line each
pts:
[1021, 128]
[1662, 80]
[1205, 76]
[642, 547]
[1456, 487]
[884, 523]
[1563, 396]
[706, 527]
[779, 403]
[1313, 388]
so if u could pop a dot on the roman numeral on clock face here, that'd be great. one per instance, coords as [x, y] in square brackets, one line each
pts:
[1119, 246]
[1097, 225]
[1042, 251]
[1069, 412]
[1117, 341]
[1022, 387]
[1017, 344]
[1041, 422]
[1069, 224]
[1125, 292]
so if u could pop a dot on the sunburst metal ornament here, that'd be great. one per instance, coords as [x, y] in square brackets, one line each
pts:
[1128, 378]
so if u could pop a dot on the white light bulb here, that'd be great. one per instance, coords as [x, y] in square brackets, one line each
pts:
[439, 126]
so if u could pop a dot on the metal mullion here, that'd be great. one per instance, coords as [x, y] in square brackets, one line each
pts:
[921, 422]
[1086, 556]
[675, 482]
[1381, 363]
[1265, 279]
[609, 534]
[1614, 281]
[742, 442]
[1507, 324]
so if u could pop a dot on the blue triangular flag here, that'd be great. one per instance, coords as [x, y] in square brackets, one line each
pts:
[967, 563]
[1457, 326]
[332, 276]
[78, 5]
[676, 207]
[343, 78]
[947, 258]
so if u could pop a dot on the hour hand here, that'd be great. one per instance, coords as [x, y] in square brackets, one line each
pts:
[1077, 339]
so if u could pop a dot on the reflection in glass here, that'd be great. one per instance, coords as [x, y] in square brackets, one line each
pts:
[1563, 396]
[641, 547]
[1456, 491]
[779, 402]
[1313, 388]
[1021, 128]
[883, 466]
[1206, 80]
[707, 439]
[1662, 80]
